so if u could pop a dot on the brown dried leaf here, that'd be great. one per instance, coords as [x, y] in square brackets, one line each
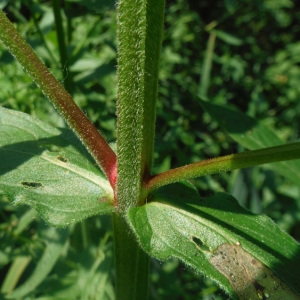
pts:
[248, 276]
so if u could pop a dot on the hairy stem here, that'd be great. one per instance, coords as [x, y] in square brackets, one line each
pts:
[139, 42]
[131, 263]
[225, 164]
[80, 124]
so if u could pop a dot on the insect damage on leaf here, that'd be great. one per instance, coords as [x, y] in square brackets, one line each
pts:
[248, 276]
[30, 184]
[62, 159]
[199, 244]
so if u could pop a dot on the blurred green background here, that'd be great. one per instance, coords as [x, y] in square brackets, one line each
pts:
[242, 54]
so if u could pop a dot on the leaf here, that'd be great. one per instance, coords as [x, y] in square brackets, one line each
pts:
[14, 273]
[228, 38]
[55, 242]
[252, 135]
[93, 277]
[247, 275]
[178, 223]
[50, 170]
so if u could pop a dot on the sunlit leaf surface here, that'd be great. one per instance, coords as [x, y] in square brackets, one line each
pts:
[50, 170]
[178, 223]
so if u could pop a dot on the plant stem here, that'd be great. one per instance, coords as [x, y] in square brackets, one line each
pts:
[42, 38]
[80, 124]
[140, 25]
[67, 79]
[207, 63]
[131, 263]
[225, 164]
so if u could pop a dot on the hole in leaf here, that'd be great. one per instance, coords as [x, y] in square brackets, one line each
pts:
[249, 277]
[199, 244]
[62, 159]
[30, 184]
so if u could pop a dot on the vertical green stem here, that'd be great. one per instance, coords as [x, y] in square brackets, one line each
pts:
[42, 38]
[140, 24]
[84, 234]
[207, 63]
[131, 263]
[62, 46]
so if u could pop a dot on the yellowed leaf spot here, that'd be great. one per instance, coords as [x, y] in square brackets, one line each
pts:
[248, 276]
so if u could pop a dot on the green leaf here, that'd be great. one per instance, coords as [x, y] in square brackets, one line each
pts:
[55, 242]
[176, 222]
[15, 271]
[253, 135]
[50, 170]
[93, 277]
[228, 38]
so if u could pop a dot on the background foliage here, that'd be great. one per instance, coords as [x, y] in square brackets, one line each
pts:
[255, 68]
